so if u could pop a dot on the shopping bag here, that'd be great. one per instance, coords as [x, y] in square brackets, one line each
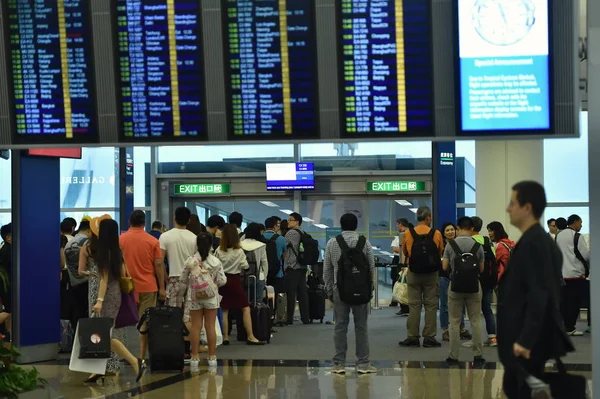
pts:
[94, 337]
[128, 312]
[219, 334]
[400, 292]
[91, 366]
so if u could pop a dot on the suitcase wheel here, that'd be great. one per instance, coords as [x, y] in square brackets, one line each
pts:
[321, 321]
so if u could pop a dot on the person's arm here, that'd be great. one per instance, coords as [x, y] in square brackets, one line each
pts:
[583, 248]
[396, 246]
[63, 260]
[83, 257]
[448, 254]
[439, 241]
[481, 257]
[243, 260]
[371, 259]
[264, 263]
[159, 271]
[502, 254]
[405, 244]
[328, 272]
[101, 292]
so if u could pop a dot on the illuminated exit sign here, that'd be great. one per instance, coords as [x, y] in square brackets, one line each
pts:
[201, 189]
[395, 186]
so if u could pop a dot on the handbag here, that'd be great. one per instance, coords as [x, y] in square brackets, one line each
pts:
[400, 292]
[93, 335]
[126, 283]
[128, 312]
[92, 366]
[561, 384]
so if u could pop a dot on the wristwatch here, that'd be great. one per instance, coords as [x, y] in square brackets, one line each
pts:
[503, 22]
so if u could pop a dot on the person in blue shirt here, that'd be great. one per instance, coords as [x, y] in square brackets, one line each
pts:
[157, 229]
[271, 229]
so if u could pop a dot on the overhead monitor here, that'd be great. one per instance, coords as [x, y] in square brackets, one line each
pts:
[271, 69]
[504, 67]
[51, 60]
[161, 72]
[386, 68]
[290, 176]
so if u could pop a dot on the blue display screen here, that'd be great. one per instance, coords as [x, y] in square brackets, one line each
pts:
[271, 62]
[386, 67]
[161, 69]
[504, 65]
[291, 176]
[51, 60]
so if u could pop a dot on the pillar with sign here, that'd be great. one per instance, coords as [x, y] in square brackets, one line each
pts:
[444, 183]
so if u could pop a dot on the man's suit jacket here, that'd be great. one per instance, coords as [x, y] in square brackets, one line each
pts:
[529, 300]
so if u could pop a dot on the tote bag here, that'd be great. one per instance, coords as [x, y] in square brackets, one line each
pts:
[128, 312]
[91, 366]
[400, 292]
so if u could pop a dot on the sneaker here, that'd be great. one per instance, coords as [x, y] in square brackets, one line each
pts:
[431, 342]
[401, 313]
[212, 362]
[468, 344]
[410, 342]
[478, 361]
[194, 363]
[451, 361]
[446, 336]
[465, 335]
[338, 369]
[575, 333]
[492, 342]
[588, 330]
[366, 369]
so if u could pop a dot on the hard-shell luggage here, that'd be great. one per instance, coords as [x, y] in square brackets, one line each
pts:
[281, 309]
[166, 332]
[316, 298]
[261, 317]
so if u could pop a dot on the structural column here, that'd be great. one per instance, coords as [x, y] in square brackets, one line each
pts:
[444, 183]
[499, 165]
[36, 256]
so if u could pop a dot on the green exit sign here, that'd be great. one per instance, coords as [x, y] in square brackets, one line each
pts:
[201, 189]
[395, 186]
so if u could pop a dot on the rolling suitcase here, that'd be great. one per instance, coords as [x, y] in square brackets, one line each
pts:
[166, 332]
[261, 317]
[316, 299]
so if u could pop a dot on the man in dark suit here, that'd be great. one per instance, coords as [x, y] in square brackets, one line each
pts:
[530, 326]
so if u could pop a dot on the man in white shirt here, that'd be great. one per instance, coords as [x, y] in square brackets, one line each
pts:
[575, 270]
[401, 225]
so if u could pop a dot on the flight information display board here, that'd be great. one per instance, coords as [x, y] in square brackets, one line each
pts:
[386, 68]
[504, 66]
[272, 68]
[51, 59]
[161, 70]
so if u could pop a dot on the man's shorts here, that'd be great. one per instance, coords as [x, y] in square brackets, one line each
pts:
[147, 300]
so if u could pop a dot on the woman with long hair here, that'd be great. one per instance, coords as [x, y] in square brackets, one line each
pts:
[101, 259]
[504, 246]
[195, 226]
[234, 261]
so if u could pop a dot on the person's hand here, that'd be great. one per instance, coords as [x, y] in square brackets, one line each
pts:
[330, 297]
[520, 351]
[162, 295]
[97, 307]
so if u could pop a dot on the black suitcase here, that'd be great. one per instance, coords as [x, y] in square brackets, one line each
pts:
[166, 332]
[260, 315]
[316, 297]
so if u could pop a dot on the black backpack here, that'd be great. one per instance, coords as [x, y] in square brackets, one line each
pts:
[578, 255]
[272, 258]
[425, 255]
[354, 280]
[310, 250]
[489, 277]
[465, 270]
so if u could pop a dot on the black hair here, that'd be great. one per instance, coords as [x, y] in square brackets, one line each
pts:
[404, 222]
[182, 216]
[195, 226]
[253, 231]
[270, 223]
[552, 220]
[63, 241]
[446, 225]
[72, 221]
[66, 227]
[277, 218]
[284, 228]
[204, 243]
[262, 227]
[498, 229]
[107, 253]
[215, 221]
[423, 213]
[237, 219]
[137, 218]
[561, 223]
[573, 219]
[477, 223]
[297, 217]
[157, 225]
[5, 231]
[531, 192]
[349, 222]
[84, 225]
[465, 223]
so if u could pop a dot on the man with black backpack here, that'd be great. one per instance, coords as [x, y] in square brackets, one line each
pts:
[349, 272]
[465, 258]
[79, 284]
[275, 249]
[423, 248]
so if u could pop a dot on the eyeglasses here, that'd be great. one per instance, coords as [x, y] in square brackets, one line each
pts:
[292, 220]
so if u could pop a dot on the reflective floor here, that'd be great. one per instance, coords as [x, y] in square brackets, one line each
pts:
[294, 379]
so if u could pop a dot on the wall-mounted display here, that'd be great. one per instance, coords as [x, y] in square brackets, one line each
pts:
[161, 71]
[50, 57]
[504, 66]
[290, 176]
[271, 68]
[386, 66]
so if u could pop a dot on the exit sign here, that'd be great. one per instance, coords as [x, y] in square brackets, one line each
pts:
[201, 189]
[395, 186]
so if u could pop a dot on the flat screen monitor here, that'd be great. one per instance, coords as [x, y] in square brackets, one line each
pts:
[271, 69]
[74, 153]
[290, 176]
[51, 60]
[161, 70]
[504, 67]
[386, 68]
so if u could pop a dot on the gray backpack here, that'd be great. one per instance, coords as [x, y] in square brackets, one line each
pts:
[72, 251]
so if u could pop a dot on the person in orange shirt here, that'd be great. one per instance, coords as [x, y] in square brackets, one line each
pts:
[423, 248]
[143, 257]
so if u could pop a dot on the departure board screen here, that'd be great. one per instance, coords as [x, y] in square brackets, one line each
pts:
[272, 64]
[51, 59]
[161, 70]
[386, 62]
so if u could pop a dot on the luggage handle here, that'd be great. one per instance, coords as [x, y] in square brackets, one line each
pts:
[252, 276]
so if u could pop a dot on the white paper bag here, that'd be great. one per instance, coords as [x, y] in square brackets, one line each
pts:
[219, 334]
[92, 366]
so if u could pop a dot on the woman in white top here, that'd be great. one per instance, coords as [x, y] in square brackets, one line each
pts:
[256, 251]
